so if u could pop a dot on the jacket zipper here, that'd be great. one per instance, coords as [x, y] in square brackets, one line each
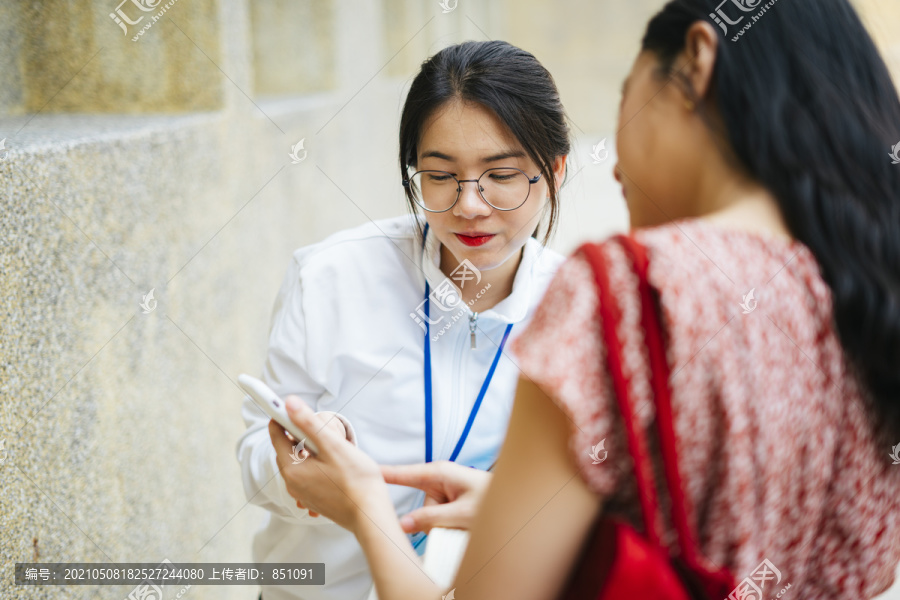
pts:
[459, 387]
[458, 392]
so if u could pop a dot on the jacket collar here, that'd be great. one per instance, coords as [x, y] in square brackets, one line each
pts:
[511, 309]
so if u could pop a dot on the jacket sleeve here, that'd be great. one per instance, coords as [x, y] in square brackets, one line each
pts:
[286, 371]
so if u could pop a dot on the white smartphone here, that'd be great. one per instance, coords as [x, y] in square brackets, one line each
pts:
[273, 406]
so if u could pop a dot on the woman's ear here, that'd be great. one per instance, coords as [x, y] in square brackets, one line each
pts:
[700, 49]
[559, 171]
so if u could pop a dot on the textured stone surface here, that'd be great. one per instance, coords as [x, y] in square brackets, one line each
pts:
[293, 46]
[119, 427]
[78, 42]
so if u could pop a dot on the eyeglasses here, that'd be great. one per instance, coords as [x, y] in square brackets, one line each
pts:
[503, 188]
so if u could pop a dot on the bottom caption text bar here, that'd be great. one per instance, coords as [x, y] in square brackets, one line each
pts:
[169, 573]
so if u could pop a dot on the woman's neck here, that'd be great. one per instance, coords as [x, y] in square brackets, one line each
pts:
[743, 204]
[495, 284]
[731, 198]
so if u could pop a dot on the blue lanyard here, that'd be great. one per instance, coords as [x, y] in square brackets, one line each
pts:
[429, 428]
[484, 387]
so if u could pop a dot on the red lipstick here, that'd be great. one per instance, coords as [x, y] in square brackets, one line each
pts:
[476, 239]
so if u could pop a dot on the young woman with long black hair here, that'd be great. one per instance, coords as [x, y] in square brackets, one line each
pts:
[758, 180]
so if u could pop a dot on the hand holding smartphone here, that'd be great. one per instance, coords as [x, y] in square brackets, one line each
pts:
[274, 406]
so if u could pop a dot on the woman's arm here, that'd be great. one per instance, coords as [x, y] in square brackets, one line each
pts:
[345, 485]
[529, 530]
[536, 514]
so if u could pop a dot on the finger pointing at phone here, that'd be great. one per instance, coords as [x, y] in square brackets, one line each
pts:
[452, 493]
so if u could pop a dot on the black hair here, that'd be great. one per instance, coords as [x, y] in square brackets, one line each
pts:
[504, 79]
[810, 111]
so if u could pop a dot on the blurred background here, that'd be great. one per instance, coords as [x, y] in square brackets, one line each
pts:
[146, 152]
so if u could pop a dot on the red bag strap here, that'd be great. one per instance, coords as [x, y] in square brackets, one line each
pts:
[662, 398]
[610, 315]
[716, 582]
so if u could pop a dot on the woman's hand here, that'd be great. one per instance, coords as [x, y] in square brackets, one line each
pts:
[339, 482]
[452, 493]
[331, 421]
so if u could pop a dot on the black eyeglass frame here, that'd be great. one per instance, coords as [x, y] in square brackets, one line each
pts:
[459, 182]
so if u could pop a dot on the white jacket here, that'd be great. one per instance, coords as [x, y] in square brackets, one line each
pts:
[342, 337]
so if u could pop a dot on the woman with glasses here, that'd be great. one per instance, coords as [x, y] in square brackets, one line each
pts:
[758, 345]
[397, 332]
